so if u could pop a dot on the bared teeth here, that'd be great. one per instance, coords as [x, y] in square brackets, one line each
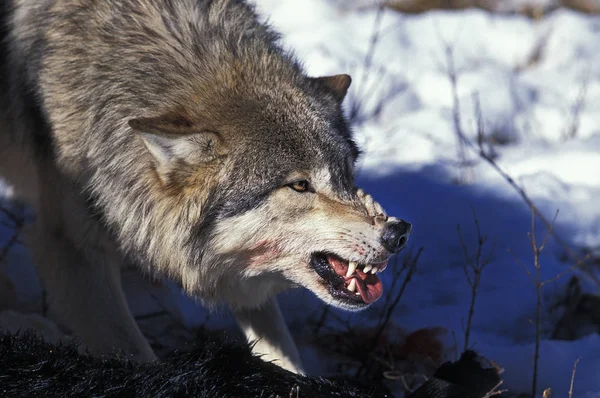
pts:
[367, 268]
[352, 285]
[351, 268]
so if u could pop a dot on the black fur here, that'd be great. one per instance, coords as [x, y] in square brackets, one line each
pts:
[29, 367]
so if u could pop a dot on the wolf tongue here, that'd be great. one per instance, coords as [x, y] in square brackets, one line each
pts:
[369, 286]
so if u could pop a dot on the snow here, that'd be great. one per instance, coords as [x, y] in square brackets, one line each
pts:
[410, 159]
[529, 102]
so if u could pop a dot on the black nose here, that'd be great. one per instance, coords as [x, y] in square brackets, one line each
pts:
[395, 235]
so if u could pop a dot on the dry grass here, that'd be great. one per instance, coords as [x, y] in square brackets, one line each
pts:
[539, 283]
[532, 9]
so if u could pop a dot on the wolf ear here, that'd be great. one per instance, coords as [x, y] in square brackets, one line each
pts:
[172, 138]
[338, 85]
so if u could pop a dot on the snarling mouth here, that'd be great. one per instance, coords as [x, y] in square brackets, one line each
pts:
[349, 281]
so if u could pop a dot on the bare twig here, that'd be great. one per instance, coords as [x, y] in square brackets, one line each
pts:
[12, 216]
[536, 279]
[14, 238]
[367, 65]
[389, 309]
[573, 127]
[536, 212]
[538, 316]
[494, 392]
[477, 265]
[398, 268]
[573, 377]
[568, 270]
[489, 156]
[412, 267]
[464, 163]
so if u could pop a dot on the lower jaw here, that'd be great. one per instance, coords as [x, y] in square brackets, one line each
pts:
[341, 300]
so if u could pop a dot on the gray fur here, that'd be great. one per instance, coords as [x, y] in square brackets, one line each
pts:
[166, 131]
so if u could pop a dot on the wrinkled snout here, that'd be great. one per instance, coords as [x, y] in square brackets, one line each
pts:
[395, 234]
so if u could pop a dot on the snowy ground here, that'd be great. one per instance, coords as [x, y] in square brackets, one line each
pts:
[537, 83]
[533, 81]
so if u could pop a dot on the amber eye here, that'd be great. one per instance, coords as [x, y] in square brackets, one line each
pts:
[300, 186]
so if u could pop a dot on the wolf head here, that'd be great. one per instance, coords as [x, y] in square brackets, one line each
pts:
[269, 169]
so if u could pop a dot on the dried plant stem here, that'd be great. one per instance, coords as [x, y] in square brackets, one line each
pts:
[476, 265]
[368, 63]
[573, 377]
[461, 139]
[386, 319]
[539, 284]
[488, 158]
[389, 308]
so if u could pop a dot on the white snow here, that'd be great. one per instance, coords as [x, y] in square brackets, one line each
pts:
[411, 154]
[528, 102]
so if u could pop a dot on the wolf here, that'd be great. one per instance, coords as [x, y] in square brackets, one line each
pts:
[180, 136]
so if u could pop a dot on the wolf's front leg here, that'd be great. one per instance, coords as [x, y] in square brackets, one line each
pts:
[267, 328]
[80, 267]
[87, 297]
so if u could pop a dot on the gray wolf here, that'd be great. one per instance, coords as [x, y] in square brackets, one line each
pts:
[180, 136]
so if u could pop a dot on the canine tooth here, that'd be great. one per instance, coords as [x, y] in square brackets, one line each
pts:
[351, 268]
[352, 285]
[367, 268]
[374, 270]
